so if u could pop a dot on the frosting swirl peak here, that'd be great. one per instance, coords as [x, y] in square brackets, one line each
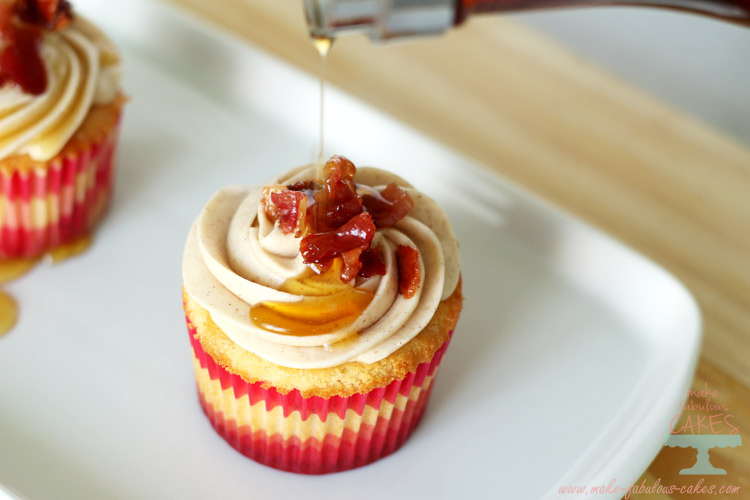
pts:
[83, 69]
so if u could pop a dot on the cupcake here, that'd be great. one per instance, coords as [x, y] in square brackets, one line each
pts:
[60, 107]
[319, 307]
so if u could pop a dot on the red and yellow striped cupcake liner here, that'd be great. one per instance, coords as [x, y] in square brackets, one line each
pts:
[311, 435]
[44, 208]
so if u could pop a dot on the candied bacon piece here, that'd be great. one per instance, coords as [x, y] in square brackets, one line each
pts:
[21, 60]
[372, 263]
[318, 248]
[6, 13]
[288, 207]
[352, 264]
[21, 25]
[50, 14]
[323, 267]
[302, 186]
[337, 202]
[390, 206]
[408, 270]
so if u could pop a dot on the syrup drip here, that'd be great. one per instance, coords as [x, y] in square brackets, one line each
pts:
[8, 313]
[323, 44]
[71, 249]
[328, 305]
[15, 268]
[10, 270]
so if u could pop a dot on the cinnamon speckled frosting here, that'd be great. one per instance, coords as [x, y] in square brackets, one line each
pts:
[235, 257]
[83, 70]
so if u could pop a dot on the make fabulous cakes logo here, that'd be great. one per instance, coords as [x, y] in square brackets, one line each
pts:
[707, 424]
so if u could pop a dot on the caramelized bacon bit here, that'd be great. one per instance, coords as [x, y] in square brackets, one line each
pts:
[7, 10]
[339, 227]
[392, 205]
[288, 207]
[372, 263]
[337, 202]
[21, 61]
[49, 14]
[356, 234]
[21, 25]
[352, 264]
[302, 186]
[408, 270]
[323, 267]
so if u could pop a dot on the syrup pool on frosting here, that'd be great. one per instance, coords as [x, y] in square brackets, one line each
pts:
[328, 305]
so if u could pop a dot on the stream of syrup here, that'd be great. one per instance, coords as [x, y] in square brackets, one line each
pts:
[323, 45]
[328, 304]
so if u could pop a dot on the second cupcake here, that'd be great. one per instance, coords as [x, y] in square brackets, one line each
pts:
[60, 107]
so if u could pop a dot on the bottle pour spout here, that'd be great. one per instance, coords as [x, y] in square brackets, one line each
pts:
[379, 19]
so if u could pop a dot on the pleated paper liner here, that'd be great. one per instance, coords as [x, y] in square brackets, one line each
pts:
[41, 209]
[311, 435]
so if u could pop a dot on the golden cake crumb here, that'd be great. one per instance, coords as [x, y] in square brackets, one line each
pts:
[343, 380]
[98, 123]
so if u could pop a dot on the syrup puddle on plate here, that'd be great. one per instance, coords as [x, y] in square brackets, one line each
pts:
[15, 268]
[8, 313]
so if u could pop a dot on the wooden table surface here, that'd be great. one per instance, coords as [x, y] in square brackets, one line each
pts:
[515, 102]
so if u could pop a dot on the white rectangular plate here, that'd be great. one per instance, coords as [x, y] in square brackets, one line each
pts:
[566, 368]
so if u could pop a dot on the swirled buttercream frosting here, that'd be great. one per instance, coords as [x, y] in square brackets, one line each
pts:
[240, 256]
[82, 70]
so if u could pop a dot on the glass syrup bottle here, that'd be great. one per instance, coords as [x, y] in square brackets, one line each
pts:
[386, 19]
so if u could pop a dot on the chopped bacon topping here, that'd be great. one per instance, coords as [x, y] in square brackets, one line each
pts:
[20, 60]
[341, 224]
[22, 23]
[389, 206]
[302, 186]
[318, 248]
[49, 14]
[337, 202]
[287, 207]
[351, 264]
[372, 263]
[408, 270]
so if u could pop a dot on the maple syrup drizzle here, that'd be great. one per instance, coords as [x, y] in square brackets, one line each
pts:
[323, 45]
[328, 305]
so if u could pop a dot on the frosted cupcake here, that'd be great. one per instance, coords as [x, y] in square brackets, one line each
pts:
[319, 307]
[60, 106]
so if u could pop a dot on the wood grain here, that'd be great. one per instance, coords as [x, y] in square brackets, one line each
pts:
[524, 107]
